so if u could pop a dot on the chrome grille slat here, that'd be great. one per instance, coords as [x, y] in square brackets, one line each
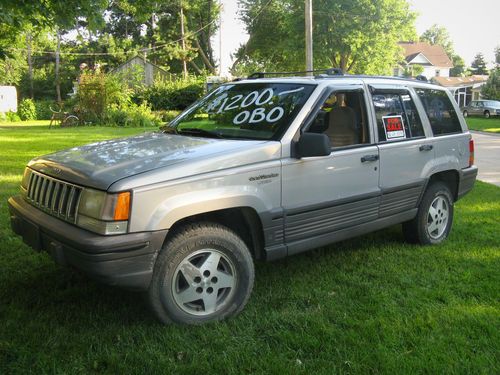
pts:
[55, 197]
[71, 196]
[62, 199]
[31, 186]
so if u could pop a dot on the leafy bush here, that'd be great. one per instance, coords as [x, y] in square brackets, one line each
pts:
[99, 92]
[173, 95]
[167, 116]
[43, 111]
[27, 110]
[132, 115]
[9, 116]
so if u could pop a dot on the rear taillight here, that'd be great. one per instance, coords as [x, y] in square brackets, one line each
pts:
[471, 152]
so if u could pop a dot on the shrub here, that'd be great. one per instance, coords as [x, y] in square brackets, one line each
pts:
[43, 111]
[167, 116]
[173, 95]
[27, 110]
[99, 92]
[9, 116]
[132, 115]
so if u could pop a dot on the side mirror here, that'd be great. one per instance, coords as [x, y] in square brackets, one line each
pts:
[313, 144]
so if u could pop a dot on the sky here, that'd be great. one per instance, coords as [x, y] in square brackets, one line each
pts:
[474, 26]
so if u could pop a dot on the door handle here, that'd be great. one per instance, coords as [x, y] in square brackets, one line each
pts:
[426, 147]
[366, 158]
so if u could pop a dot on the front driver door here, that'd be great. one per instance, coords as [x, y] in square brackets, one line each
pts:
[323, 196]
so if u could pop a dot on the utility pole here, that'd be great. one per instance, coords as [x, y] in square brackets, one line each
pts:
[220, 37]
[58, 54]
[309, 41]
[29, 40]
[184, 65]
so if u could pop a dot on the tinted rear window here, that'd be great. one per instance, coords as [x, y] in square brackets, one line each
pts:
[440, 110]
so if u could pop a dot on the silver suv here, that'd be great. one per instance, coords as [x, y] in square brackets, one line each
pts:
[256, 170]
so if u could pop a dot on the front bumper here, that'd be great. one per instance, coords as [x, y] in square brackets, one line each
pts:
[124, 260]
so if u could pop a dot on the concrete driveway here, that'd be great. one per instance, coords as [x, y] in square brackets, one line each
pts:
[487, 156]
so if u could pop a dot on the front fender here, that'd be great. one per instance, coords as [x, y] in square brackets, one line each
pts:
[161, 207]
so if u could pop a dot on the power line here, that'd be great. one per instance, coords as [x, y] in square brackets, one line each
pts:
[160, 45]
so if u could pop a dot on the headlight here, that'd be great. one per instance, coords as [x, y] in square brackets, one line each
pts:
[26, 178]
[104, 213]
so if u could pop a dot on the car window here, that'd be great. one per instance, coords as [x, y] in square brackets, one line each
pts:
[244, 111]
[397, 117]
[440, 111]
[343, 118]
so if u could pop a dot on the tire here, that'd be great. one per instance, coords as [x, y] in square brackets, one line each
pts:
[487, 114]
[70, 121]
[434, 218]
[466, 114]
[204, 273]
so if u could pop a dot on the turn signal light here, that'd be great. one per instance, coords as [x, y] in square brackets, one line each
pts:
[471, 152]
[122, 206]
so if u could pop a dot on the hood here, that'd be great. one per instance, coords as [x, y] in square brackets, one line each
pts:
[100, 164]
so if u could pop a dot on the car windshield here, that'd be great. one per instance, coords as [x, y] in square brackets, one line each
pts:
[492, 103]
[254, 110]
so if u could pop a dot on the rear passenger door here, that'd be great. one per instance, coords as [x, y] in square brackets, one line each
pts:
[406, 153]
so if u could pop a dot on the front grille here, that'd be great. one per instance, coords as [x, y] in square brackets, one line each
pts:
[57, 198]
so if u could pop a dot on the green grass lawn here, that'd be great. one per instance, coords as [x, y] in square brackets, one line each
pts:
[484, 124]
[371, 305]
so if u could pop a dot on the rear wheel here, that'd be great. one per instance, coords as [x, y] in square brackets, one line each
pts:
[71, 120]
[487, 114]
[434, 218]
[466, 114]
[204, 273]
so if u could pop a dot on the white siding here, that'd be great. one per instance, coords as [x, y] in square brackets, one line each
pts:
[8, 99]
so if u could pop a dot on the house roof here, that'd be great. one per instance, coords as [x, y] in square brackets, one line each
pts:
[460, 81]
[434, 53]
[142, 59]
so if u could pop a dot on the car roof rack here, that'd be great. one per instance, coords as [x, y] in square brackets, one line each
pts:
[325, 73]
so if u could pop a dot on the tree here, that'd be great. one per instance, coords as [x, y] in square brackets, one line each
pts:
[497, 56]
[438, 35]
[491, 90]
[358, 36]
[479, 64]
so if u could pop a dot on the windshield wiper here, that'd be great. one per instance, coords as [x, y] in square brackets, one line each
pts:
[198, 131]
[168, 129]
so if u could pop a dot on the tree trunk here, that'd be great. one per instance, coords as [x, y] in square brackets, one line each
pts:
[196, 67]
[58, 81]
[204, 57]
[29, 40]
[184, 65]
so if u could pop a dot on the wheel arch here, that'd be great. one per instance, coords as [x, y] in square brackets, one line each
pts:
[244, 221]
[450, 177]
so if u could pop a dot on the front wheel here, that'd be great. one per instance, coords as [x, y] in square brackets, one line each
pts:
[204, 273]
[487, 114]
[434, 217]
[466, 113]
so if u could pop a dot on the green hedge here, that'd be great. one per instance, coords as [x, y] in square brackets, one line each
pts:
[172, 95]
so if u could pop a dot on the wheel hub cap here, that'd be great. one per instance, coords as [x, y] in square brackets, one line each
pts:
[203, 282]
[437, 217]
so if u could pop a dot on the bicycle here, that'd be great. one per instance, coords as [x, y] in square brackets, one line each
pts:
[64, 119]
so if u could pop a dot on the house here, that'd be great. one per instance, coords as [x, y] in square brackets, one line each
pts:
[8, 99]
[432, 58]
[151, 72]
[464, 89]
